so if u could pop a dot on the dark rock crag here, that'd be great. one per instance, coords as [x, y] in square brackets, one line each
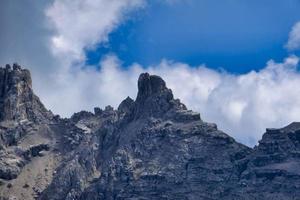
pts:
[149, 148]
[17, 100]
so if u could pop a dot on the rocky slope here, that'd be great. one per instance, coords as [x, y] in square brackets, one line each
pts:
[149, 148]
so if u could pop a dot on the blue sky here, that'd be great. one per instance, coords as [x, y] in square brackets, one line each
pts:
[235, 35]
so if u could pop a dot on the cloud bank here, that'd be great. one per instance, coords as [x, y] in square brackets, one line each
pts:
[242, 105]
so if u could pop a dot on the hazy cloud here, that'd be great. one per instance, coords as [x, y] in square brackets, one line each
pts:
[24, 36]
[294, 38]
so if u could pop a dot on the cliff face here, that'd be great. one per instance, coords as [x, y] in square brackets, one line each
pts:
[272, 170]
[149, 148]
[24, 126]
[17, 100]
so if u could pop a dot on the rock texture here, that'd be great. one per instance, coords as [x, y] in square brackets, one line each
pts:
[17, 101]
[272, 170]
[149, 148]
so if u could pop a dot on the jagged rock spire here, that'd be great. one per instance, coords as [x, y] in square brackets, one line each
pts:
[149, 85]
[154, 98]
[126, 105]
[17, 100]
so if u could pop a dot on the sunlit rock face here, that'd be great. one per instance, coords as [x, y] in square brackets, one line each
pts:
[149, 148]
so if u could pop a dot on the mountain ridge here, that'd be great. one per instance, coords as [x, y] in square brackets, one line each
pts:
[149, 148]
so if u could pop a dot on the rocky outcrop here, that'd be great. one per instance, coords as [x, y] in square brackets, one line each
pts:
[126, 105]
[17, 100]
[22, 116]
[154, 99]
[272, 170]
[149, 148]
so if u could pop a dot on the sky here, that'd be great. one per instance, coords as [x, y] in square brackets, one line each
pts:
[237, 61]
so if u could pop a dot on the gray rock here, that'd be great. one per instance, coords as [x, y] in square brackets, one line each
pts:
[149, 148]
[126, 105]
[17, 100]
[272, 169]
[97, 111]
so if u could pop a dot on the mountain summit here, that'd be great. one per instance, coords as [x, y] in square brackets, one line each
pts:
[149, 148]
[17, 100]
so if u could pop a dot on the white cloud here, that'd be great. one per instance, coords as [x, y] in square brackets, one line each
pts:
[242, 105]
[81, 24]
[294, 38]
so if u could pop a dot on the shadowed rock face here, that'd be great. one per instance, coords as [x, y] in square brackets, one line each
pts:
[154, 99]
[17, 100]
[21, 114]
[150, 148]
[272, 170]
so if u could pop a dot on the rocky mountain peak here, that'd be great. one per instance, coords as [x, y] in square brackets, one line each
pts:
[12, 78]
[17, 100]
[126, 105]
[149, 85]
[154, 99]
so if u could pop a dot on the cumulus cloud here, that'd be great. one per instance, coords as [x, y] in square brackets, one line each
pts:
[78, 25]
[242, 105]
[294, 38]
[81, 24]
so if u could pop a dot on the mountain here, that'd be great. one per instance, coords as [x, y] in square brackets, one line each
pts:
[149, 148]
